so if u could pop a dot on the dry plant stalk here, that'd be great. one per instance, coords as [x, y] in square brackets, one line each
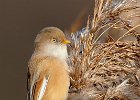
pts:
[104, 68]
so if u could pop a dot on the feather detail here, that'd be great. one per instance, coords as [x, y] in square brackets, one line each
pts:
[43, 88]
[32, 88]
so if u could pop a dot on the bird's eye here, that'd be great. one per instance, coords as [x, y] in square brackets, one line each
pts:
[53, 40]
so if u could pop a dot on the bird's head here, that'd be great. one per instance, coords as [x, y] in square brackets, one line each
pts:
[51, 41]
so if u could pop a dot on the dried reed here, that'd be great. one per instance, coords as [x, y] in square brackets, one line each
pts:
[103, 68]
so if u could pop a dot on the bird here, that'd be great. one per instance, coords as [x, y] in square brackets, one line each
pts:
[48, 70]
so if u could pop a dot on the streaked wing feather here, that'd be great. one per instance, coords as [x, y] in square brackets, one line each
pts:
[43, 88]
[38, 88]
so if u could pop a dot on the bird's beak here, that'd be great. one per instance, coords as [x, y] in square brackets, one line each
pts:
[66, 41]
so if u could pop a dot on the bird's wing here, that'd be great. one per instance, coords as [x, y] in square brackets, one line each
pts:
[42, 88]
[36, 83]
[37, 88]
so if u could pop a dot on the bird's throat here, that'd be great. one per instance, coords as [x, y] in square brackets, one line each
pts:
[53, 50]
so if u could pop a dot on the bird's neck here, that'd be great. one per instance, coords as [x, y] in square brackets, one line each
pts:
[57, 51]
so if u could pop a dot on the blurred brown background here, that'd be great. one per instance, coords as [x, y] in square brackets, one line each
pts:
[20, 21]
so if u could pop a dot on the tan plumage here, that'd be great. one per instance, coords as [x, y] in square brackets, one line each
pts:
[48, 77]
